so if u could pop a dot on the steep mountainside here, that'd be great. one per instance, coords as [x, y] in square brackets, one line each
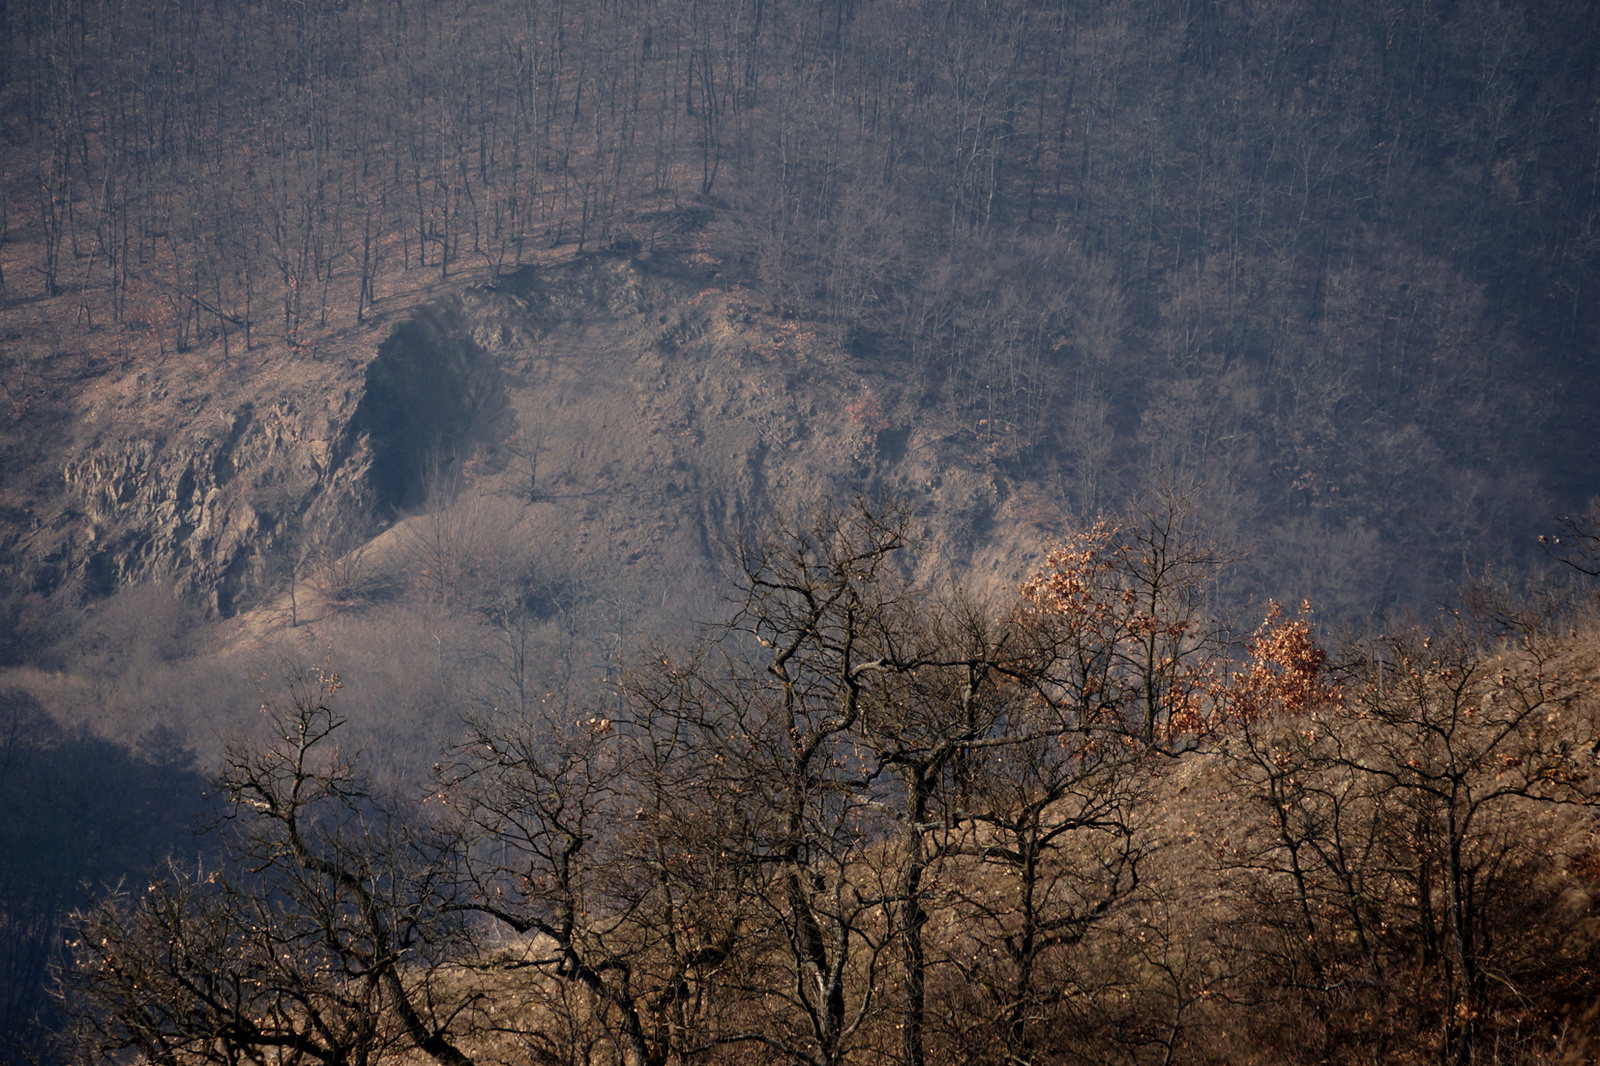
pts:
[630, 412]
[1329, 268]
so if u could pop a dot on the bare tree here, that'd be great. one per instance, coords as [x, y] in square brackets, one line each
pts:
[452, 544]
[1405, 820]
[1576, 541]
[767, 714]
[528, 447]
[324, 935]
[595, 864]
[880, 742]
[1056, 819]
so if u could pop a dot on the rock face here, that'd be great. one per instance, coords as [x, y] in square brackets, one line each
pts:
[199, 482]
[218, 503]
[630, 413]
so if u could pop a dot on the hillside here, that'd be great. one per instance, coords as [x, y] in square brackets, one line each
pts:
[867, 820]
[454, 346]
[1331, 271]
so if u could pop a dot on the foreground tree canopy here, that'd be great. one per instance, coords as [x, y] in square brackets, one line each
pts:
[866, 821]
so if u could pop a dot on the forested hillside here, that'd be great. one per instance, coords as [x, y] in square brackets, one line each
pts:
[453, 346]
[1335, 261]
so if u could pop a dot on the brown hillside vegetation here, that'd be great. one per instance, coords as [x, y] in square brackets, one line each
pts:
[457, 343]
[559, 455]
[1336, 266]
[869, 821]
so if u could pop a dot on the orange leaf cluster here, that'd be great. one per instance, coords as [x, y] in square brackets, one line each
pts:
[1123, 635]
[1131, 647]
[1286, 673]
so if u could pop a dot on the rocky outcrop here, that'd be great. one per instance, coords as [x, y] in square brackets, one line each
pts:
[177, 484]
[217, 504]
[630, 414]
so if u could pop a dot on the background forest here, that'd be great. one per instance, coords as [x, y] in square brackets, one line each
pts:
[1335, 261]
[1324, 270]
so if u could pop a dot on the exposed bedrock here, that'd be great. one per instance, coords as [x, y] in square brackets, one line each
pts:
[636, 413]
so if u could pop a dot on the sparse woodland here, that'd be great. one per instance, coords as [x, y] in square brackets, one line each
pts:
[1334, 260]
[864, 821]
[1327, 270]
